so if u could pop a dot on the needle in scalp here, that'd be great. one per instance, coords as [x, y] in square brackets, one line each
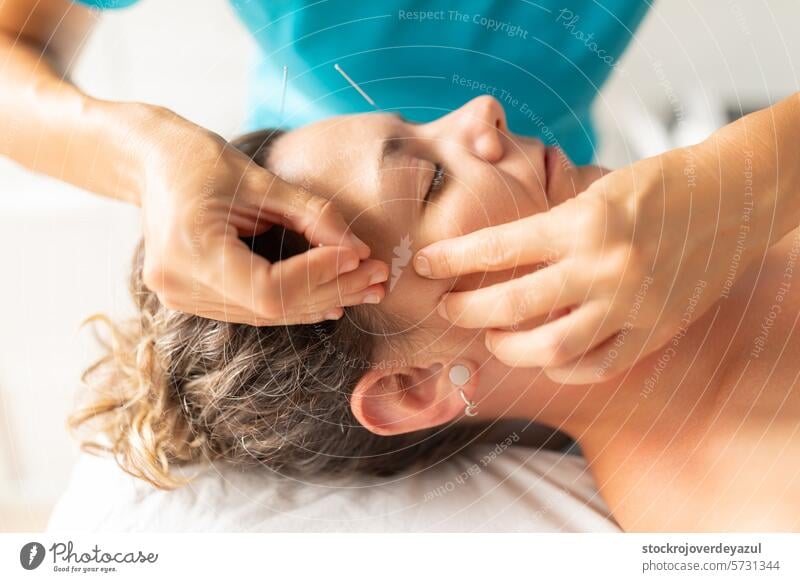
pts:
[283, 89]
[355, 85]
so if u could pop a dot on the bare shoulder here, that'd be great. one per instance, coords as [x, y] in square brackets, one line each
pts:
[725, 478]
[721, 456]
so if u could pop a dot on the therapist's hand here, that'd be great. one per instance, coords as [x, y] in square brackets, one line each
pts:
[621, 268]
[200, 195]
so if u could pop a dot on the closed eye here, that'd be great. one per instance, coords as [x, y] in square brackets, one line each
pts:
[436, 182]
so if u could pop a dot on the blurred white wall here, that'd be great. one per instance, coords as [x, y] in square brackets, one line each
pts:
[65, 253]
[691, 60]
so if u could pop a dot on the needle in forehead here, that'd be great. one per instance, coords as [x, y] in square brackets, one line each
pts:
[355, 85]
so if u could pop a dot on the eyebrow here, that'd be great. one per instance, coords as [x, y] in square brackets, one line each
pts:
[391, 144]
[394, 142]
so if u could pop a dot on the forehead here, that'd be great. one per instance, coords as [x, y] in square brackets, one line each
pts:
[339, 159]
[317, 154]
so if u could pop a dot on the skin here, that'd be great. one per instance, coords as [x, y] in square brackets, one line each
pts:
[710, 444]
[139, 154]
[675, 218]
[197, 194]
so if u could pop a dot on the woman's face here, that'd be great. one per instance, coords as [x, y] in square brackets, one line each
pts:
[402, 186]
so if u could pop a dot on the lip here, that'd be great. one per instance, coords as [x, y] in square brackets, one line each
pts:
[535, 158]
[550, 160]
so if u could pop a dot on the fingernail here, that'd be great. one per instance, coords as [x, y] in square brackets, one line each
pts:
[371, 298]
[441, 310]
[334, 314]
[378, 277]
[422, 266]
[348, 265]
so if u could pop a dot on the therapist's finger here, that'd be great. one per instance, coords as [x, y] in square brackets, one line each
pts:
[315, 217]
[609, 360]
[296, 319]
[522, 242]
[513, 302]
[368, 274]
[304, 280]
[364, 285]
[236, 314]
[231, 313]
[551, 344]
[373, 294]
[272, 290]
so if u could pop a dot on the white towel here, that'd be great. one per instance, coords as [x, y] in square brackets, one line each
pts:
[482, 490]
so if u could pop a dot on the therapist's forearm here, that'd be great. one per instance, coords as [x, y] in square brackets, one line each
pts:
[49, 126]
[758, 160]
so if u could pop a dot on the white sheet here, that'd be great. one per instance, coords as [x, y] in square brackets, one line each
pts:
[518, 490]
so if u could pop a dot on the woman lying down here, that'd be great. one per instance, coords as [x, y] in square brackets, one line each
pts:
[707, 442]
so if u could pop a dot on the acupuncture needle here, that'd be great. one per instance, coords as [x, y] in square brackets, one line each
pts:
[283, 89]
[355, 85]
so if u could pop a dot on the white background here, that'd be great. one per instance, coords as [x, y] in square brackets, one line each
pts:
[65, 254]
[397, 557]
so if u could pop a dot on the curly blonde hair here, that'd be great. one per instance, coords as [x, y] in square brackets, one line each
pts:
[174, 388]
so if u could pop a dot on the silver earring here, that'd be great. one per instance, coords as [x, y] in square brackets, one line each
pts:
[469, 406]
[459, 376]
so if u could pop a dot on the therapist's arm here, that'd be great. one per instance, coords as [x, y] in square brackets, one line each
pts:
[198, 195]
[636, 257]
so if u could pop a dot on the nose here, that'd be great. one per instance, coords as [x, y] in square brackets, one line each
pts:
[479, 125]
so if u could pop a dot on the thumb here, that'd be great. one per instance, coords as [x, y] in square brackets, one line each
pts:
[313, 216]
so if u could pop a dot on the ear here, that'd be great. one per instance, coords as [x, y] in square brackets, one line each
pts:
[396, 401]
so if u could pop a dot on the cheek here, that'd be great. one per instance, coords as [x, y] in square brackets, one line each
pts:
[412, 300]
[488, 202]
[389, 228]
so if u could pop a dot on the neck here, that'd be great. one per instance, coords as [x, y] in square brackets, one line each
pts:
[528, 393]
[582, 410]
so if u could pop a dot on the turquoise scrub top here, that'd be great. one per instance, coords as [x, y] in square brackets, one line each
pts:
[544, 60]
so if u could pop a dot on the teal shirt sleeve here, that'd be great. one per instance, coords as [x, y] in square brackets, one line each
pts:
[545, 61]
[106, 4]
